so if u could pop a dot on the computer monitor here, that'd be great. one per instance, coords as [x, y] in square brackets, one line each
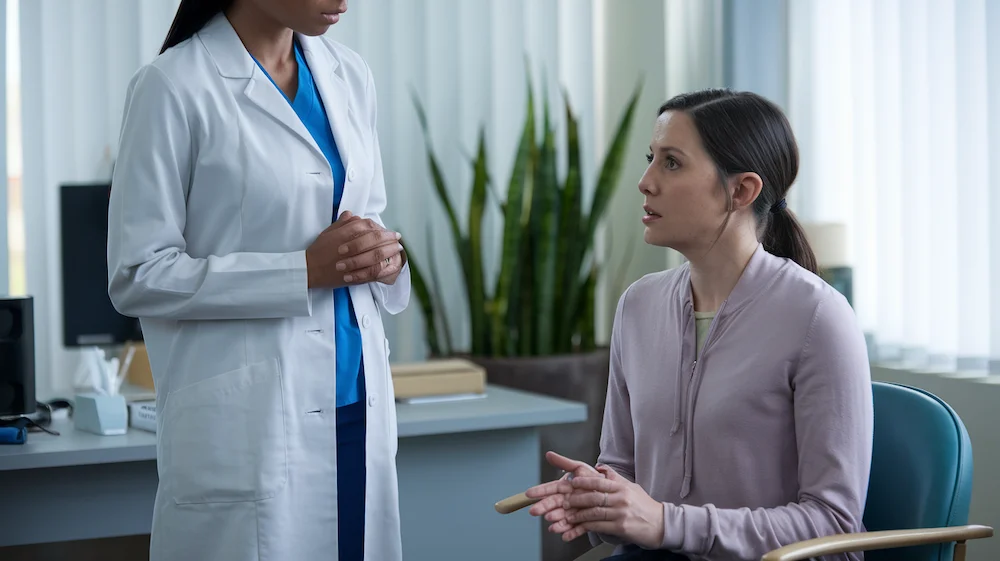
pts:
[89, 318]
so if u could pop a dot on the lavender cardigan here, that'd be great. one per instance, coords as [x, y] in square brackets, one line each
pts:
[765, 440]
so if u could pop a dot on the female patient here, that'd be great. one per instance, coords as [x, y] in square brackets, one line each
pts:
[739, 408]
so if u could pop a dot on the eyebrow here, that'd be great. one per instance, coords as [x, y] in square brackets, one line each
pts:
[669, 149]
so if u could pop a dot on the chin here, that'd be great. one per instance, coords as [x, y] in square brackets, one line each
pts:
[652, 237]
[315, 30]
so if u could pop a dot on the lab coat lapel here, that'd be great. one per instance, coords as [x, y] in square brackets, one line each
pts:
[233, 61]
[336, 97]
[269, 98]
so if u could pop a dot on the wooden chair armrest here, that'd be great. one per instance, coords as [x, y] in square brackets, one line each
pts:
[866, 541]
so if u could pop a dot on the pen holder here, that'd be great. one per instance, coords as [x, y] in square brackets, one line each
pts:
[105, 415]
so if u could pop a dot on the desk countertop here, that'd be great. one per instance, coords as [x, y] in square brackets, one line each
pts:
[502, 408]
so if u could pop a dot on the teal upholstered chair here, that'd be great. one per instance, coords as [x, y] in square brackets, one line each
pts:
[918, 493]
[920, 486]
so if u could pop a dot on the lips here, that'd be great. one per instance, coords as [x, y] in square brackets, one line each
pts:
[334, 16]
[649, 211]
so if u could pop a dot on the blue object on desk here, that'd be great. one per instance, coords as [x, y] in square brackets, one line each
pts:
[13, 435]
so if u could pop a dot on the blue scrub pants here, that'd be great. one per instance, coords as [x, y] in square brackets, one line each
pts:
[351, 480]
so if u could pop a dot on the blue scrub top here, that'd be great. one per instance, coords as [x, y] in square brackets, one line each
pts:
[309, 107]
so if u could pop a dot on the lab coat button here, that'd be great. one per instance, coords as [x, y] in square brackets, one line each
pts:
[372, 400]
[350, 174]
[365, 321]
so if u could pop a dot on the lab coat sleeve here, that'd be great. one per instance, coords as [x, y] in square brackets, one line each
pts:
[150, 275]
[394, 297]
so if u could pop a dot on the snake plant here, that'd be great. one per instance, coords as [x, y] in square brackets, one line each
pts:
[542, 300]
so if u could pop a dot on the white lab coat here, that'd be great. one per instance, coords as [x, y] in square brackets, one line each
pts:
[218, 189]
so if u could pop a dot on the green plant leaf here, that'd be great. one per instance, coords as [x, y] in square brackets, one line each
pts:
[438, 178]
[586, 306]
[567, 259]
[506, 289]
[461, 243]
[544, 217]
[426, 306]
[442, 314]
[607, 180]
[477, 296]
[523, 303]
[544, 299]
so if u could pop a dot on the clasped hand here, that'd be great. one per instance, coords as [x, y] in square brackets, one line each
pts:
[354, 250]
[601, 501]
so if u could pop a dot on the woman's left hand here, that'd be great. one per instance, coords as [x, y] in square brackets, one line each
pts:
[611, 505]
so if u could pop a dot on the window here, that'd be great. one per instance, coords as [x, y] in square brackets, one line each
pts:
[896, 107]
[15, 209]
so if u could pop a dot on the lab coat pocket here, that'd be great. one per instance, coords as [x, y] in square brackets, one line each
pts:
[226, 437]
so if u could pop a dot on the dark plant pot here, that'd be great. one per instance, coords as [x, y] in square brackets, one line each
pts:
[581, 377]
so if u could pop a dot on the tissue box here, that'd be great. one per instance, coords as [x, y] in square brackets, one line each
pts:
[105, 415]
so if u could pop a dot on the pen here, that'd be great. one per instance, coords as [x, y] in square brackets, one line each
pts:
[123, 371]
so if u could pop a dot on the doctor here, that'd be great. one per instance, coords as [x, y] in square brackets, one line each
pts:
[262, 313]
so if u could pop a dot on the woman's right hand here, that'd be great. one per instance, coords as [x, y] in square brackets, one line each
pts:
[350, 233]
[551, 497]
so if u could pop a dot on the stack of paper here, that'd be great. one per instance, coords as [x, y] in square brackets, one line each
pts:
[438, 380]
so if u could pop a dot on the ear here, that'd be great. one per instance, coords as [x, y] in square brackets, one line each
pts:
[746, 188]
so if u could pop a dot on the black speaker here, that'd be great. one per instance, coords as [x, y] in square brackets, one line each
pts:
[17, 356]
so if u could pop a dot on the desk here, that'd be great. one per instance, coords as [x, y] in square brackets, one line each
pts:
[455, 460]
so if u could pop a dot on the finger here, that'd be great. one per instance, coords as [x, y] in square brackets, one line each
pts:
[601, 484]
[372, 256]
[390, 269]
[545, 489]
[363, 239]
[564, 463]
[341, 223]
[610, 473]
[363, 225]
[344, 219]
[560, 527]
[595, 514]
[557, 515]
[590, 499]
[577, 531]
[366, 274]
[545, 505]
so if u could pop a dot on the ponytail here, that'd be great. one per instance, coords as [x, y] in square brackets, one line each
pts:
[785, 237]
[191, 16]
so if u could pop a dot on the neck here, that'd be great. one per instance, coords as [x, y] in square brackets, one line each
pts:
[714, 273]
[266, 39]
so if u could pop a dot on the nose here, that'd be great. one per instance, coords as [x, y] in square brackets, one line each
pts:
[646, 185]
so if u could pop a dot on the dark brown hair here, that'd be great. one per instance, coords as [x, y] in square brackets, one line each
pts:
[744, 132]
[191, 16]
